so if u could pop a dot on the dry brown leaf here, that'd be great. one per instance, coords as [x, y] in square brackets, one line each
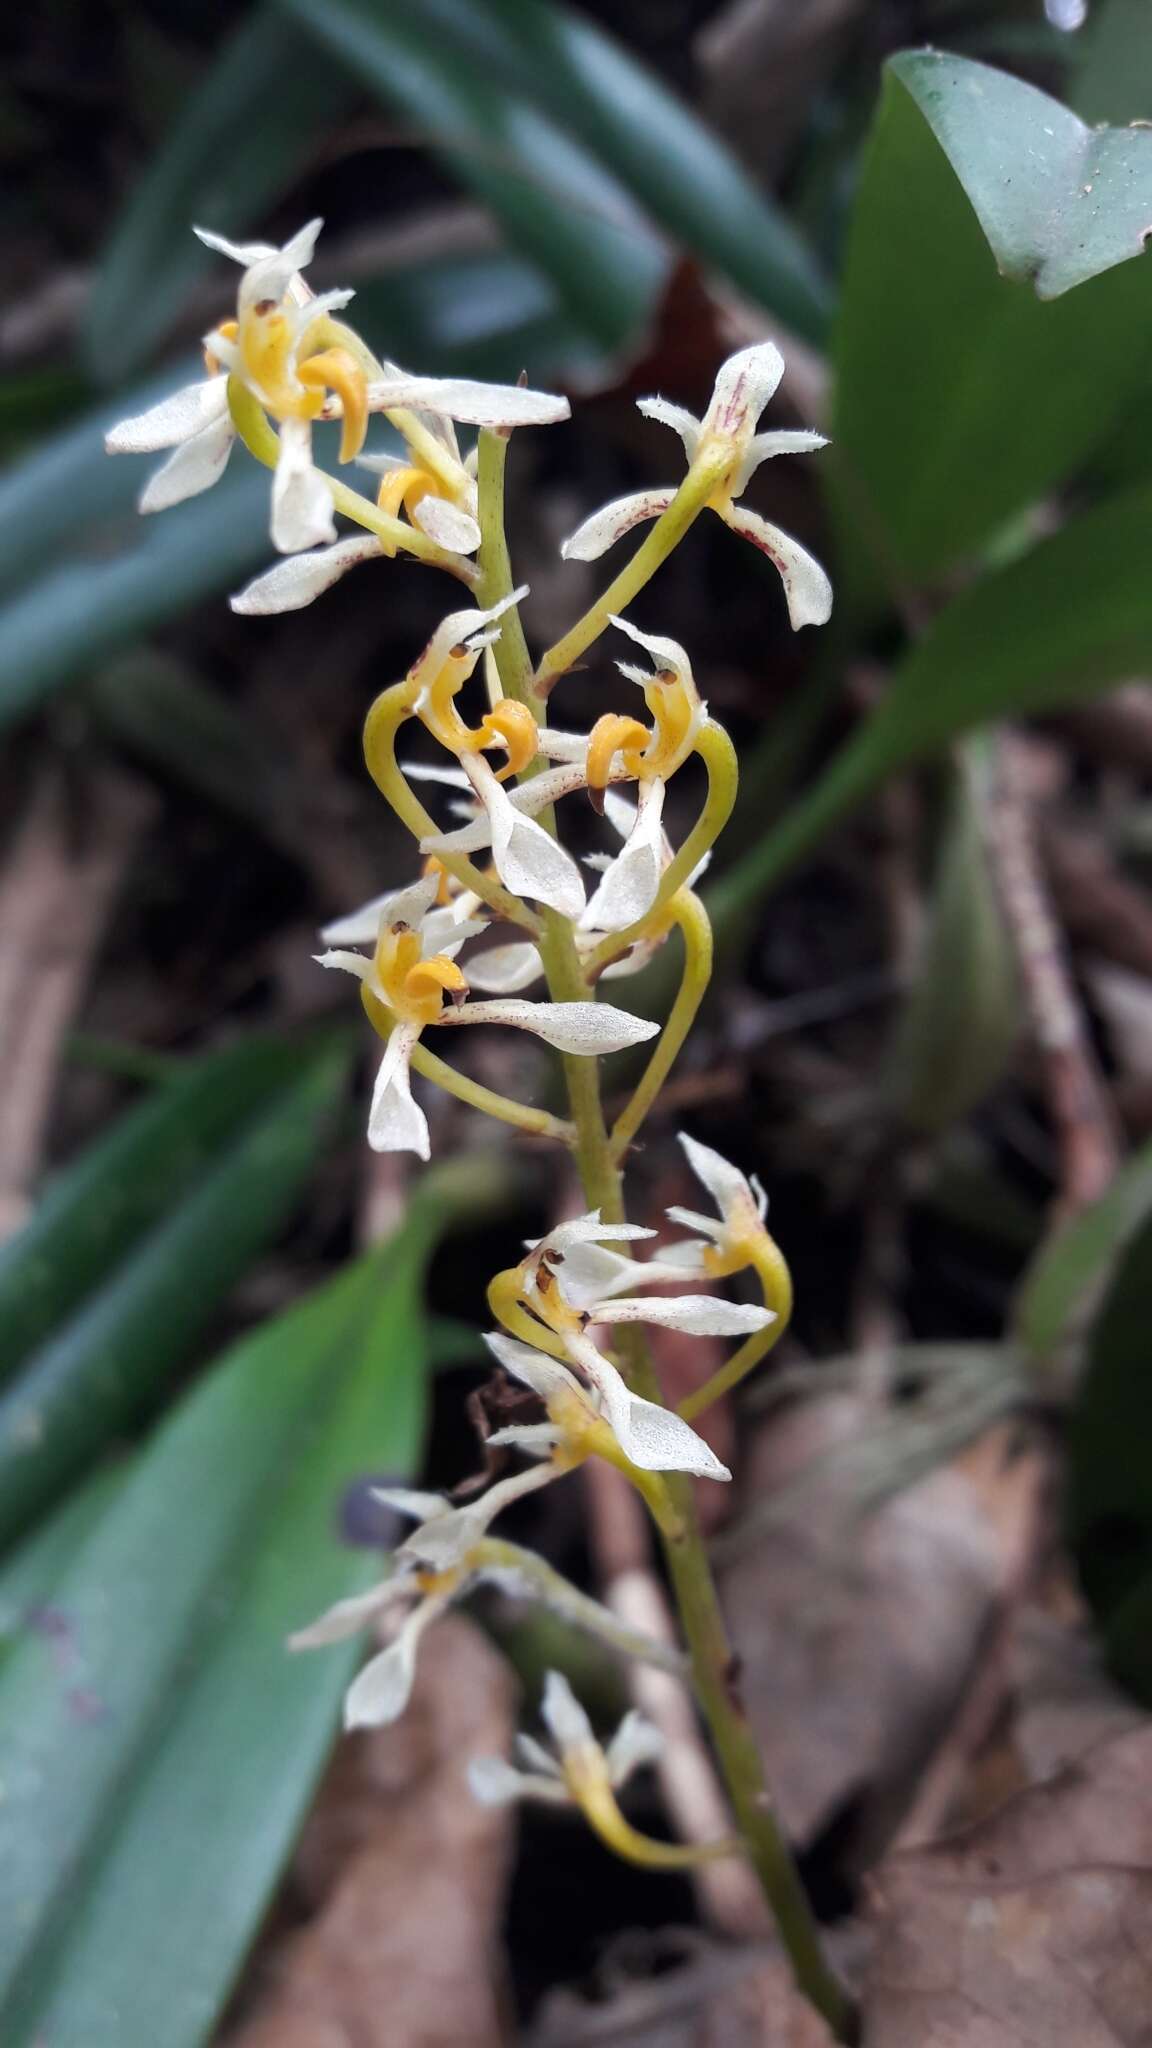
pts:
[407, 1874]
[1032, 1929]
[726, 1998]
[858, 1633]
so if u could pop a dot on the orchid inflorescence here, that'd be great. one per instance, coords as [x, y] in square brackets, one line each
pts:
[427, 958]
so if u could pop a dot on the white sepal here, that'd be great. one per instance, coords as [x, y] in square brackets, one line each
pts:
[807, 589]
[175, 419]
[300, 579]
[395, 1122]
[345, 1619]
[588, 1029]
[655, 1438]
[563, 1716]
[302, 514]
[380, 1692]
[635, 1743]
[505, 970]
[472, 403]
[631, 882]
[602, 529]
[700, 1315]
[527, 859]
[681, 421]
[743, 386]
[447, 525]
[193, 466]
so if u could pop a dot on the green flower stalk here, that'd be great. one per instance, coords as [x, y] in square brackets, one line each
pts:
[570, 1314]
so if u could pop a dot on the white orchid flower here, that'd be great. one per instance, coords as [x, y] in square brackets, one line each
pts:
[266, 349]
[413, 970]
[743, 387]
[651, 1437]
[431, 483]
[742, 1204]
[575, 1255]
[556, 1776]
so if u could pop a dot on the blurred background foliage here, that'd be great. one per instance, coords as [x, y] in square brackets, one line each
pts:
[907, 197]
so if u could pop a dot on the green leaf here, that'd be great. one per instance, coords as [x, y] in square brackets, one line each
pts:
[97, 1374]
[98, 1206]
[80, 613]
[29, 1577]
[554, 200]
[153, 1787]
[563, 64]
[1057, 626]
[961, 1019]
[1113, 79]
[1063, 1283]
[960, 395]
[1109, 1473]
[250, 126]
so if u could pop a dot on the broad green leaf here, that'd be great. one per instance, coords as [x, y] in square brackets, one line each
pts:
[154, 1788]
[961, 396]
[961, 1018]
[563, 64]
[1113, 79]
[99, 1373]
[553, 199]
[30, 1575]
[252, 123]
[1109, 1470]
[85, 610]
[1057, 626]
[99, 1205]
[1064, 1280]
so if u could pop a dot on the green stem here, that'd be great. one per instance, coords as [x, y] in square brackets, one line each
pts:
[776, 1284]
[696, 1596]
[539, 1122]
[689, 913]
[667, 533]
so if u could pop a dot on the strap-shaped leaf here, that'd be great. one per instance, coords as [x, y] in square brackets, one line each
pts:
[157, 1754]
[554, 200]
[249, 126]
[96, 1208]
[101, 1371]
[1065, 1279]
[682, 173]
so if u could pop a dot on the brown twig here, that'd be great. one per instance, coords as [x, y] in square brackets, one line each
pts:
[1079, 1109]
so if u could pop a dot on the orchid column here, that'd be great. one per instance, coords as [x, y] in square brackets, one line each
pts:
[570, 1312]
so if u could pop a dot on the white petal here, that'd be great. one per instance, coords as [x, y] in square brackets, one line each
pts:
[360, 927]
[665, 653]
[301, 500]
[413, 904]
[725, 1183]
[380, 1693]
[461, 629]
[447, 525]
[407, 1500]
[193, 466]
[346, 1618]
[601, 529]
[584, 1028]
[471, 838]
[538, 1438]
[620, 812]
[546, 1376]
[681, 422]
[536, 1756]
[427, 771]
[474, 404]
[701, 1315]
[742, 389]
[807, 588]
[588, 1229]
[352, 963]
[562, 746]
[630, 886]
[590, 1275]
[526, 857]
[655, 1438]
[635, 1743]
[270, 276]
[173, 420]
[445, 1539]
[245, 253]
[503, 970]
[562, 1714]
[493, 1781]
[395, 1122]
[289, 585]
